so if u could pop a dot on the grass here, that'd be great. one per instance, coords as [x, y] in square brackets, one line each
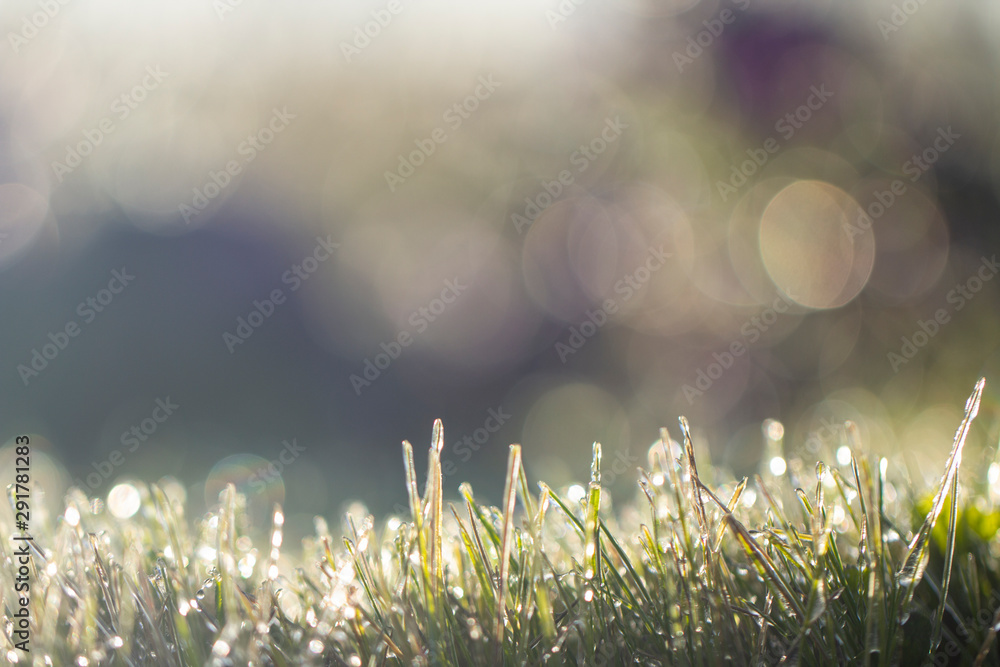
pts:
[844, 566]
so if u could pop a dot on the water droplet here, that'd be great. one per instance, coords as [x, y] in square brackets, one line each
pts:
[221, 648]
[124, 501]
[844, 455]
[72, 515]
[576, 493]
[778, 466]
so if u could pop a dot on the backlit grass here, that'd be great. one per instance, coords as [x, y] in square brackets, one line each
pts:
[817, 568]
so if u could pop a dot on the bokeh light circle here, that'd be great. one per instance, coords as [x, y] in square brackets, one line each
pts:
[124, 500]
[806, 247]
[254, 477]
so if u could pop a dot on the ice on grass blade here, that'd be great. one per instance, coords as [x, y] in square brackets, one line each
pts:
[816, 604]
[541, 592]
[434, 497]
[411, 483]
[764, 564]
[592, 553]
[820, 521]
[601, 588]
[917, 555]
[972, 409]
[509, 498]
[730, 507]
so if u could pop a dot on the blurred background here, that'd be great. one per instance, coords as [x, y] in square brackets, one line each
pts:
[262, 244]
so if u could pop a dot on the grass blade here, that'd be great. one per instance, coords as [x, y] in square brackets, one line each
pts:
[915, 561]
[509, 498]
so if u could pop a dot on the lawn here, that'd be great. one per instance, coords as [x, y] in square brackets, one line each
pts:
[815, 566]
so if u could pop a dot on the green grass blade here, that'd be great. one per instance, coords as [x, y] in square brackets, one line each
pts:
[915, 561]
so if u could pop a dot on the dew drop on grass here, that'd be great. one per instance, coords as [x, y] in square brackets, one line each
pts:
[773, 429]
[246, 564]
[221, 648]
[778, 466]
[124, 501]
[844, 455]
[72, 515]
